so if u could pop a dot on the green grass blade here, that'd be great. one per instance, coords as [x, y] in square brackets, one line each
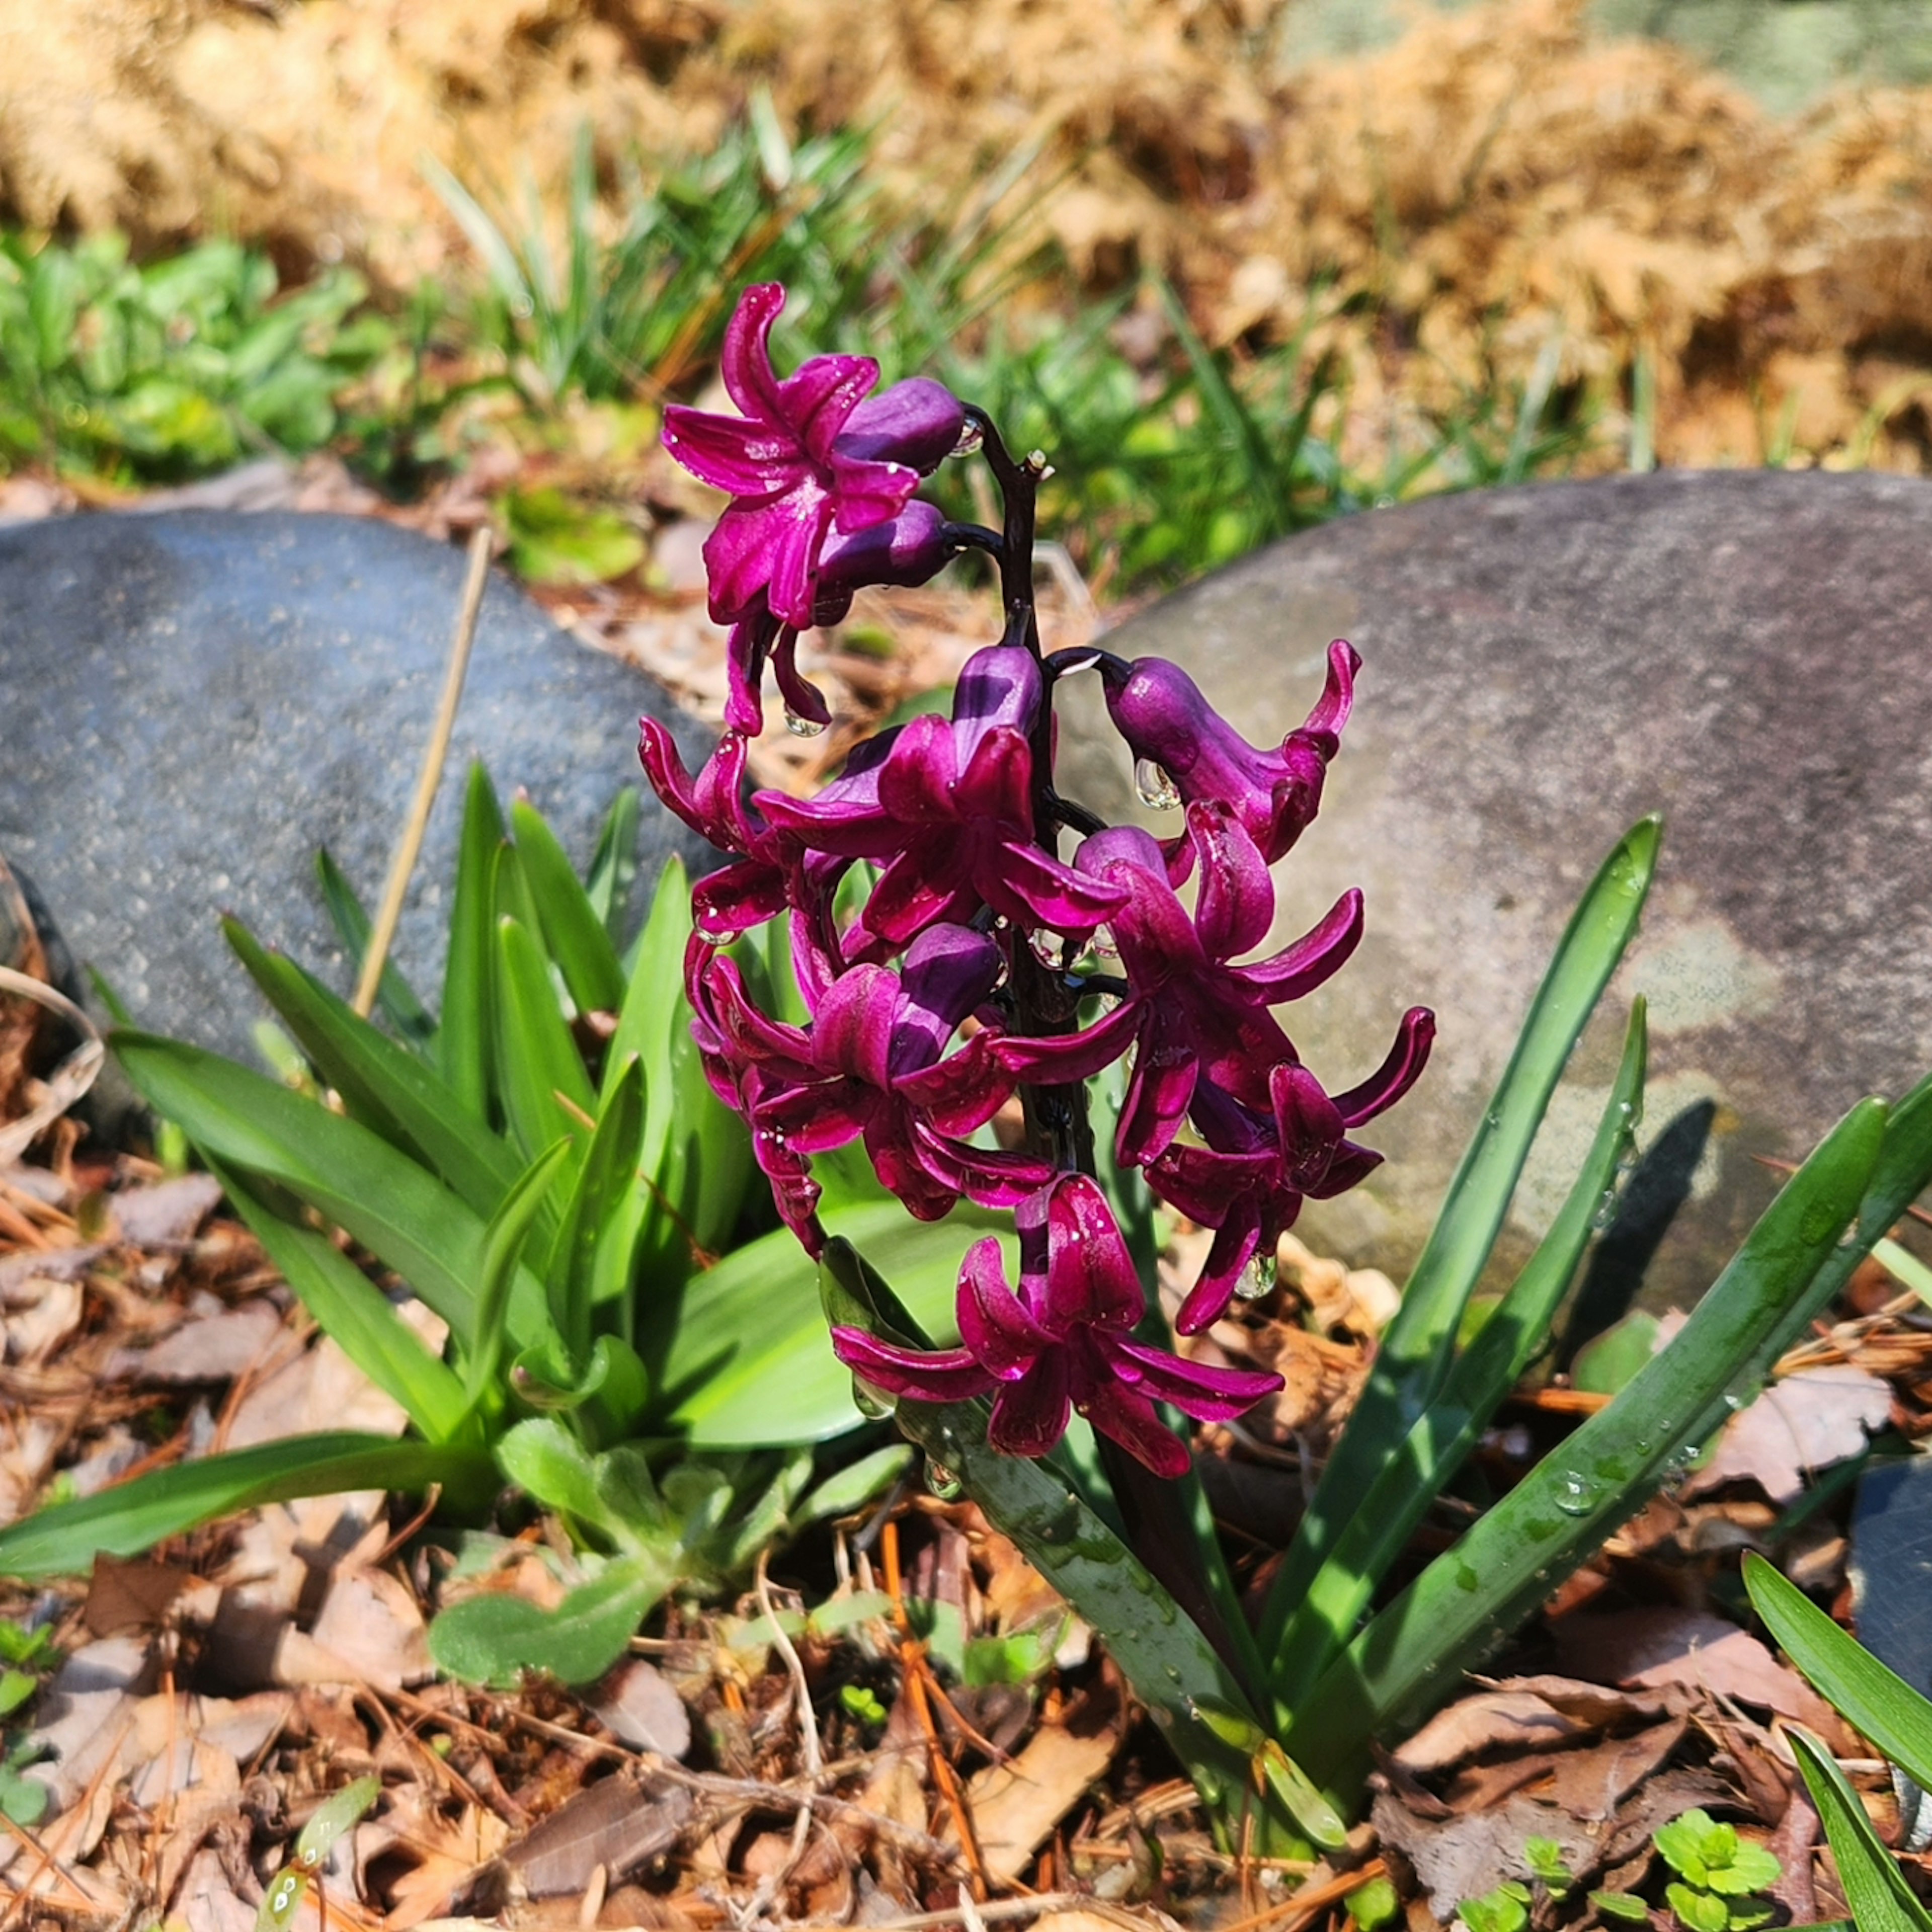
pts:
[402, 1215]
[1172, 1667]
[394, 993]
[1874, 1886]
[572, 929]
[614, 866]
[1414, 1653]
[502, 1244]
[546, 1092]
[1486, 1371]
[606, 1179]
[466, 1039]
[355, 1314]
[1413, 1359]
[388, 1089]
[133, 1516]
[1876, 1700]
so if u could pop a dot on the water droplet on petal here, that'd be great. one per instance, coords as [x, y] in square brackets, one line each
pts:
[942, 1482]
[1258, 1278]
[1047, 949]
[873, 1403]
[1156, 787]
[971, 435]
[802, 727]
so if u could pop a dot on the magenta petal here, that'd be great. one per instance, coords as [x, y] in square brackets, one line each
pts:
[1207, 1394]
[925, 885]
[1090, 1277]
[724, 904]
[1235, 1242]
[1296, 970]
[1166, 1069]
[994, 1326]
[1058, 1058]
[817, 399]
[962, 1092]
[1236, 906]
[919, 778]
[1028, 887]
[795, 525]
[1000, 685]
[1309, 1123]
[943, 1374]
[1397, 1074]
[1029, 1416]
[802, 700]
[852, 1031]
[1351, 1164]
[745, 362]
[737, 454]
[738, 557]
[1125, 1416]
[916, 422]
[910, 549]
[1338, 696]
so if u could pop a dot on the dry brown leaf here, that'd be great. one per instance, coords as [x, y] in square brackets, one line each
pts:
[131, 1595]
[638, 1704]
[1016, 1805]
[1797, 1427]
[618, 1823]
[1517, 1721]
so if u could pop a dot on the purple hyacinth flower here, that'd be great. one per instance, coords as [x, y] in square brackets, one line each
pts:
[816, 1088]
[807, 453]
[1066, 1342]
[1272, 795]
[948, 807]
[1249, 1182]
[1190, 1017]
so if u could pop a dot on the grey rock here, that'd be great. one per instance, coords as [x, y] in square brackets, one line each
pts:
[1745, 651]
[194, 702]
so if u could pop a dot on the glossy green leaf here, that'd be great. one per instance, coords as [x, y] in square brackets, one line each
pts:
[1874, 1887]
[394, 993]
[750, 1361]
[1607, 1362]
[606, 1181]
[398, 1095]
[403, 1215]
[1172, 1666]
[355, 1314]
[614, 866]
[494, 1638]
[857, 1484]
[1877, 1701]
[465, 1035]
[1413, 1359]
[282, 1900]
[132, 1516]
[572, 931]
[1483, 1374]
[546, 1094]
[1414, 1653]
[503, 1240]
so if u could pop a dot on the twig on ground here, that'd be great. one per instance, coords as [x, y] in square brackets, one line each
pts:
[382, 933]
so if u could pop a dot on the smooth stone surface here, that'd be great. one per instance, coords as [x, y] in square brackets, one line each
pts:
[194, 702]
[1746, 653]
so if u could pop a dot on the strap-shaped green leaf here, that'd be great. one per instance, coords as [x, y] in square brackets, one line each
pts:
[606, 1179]
[394, 993]
[614, 866]
[1414, 1653]
[503, 1240]
[401, 1213]
[1413, 1361]
[132, 1516]
[546, 1092]
[1485, 1373]
[572, 929]
[392, 1091]
[355, 1314]
[1876, 1700]
[1874, 1887]
[467, 1032]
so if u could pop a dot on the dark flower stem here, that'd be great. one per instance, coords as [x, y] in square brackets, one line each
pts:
[1046, 1000]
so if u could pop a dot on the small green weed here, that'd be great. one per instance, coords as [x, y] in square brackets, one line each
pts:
[1719, 1877]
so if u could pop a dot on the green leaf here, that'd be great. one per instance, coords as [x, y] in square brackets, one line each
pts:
[551, 1467]
[133, 1516]
[1874, 1887]
[1607, 1362]
[494, 1638]
[750, 1362]
[355, 1314]
[855, 1485]
[407, 1219]
[1751, 1869]
[1878, 1703]
[1172, 1666]
[572, 929]
[1468, 1599]
[554, 540]
[1623, 1905]
[1413, 1361]
[614, 864]
[1449, 1428]
[393, 1091]
[606, 1181]
[1692, 1842]
[333, 1816]
[546, 1092]
[394, 993]
[465, 1038]
[1698, 1910]
[503, 1245]
[16, 1687]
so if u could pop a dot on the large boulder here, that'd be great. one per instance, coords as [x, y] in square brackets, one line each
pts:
[195, 701]
[1745, 652]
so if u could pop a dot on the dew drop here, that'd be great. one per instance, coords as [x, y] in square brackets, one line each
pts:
[942, 1482]
[802, 727]
[1257, 1279]
[1576, 1494]
[873, 1403]
[1047, 949]
[1156, 788]
[972, 436]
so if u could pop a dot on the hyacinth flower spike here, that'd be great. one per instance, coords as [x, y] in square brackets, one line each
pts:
[947, 808]
[1065, 1343]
